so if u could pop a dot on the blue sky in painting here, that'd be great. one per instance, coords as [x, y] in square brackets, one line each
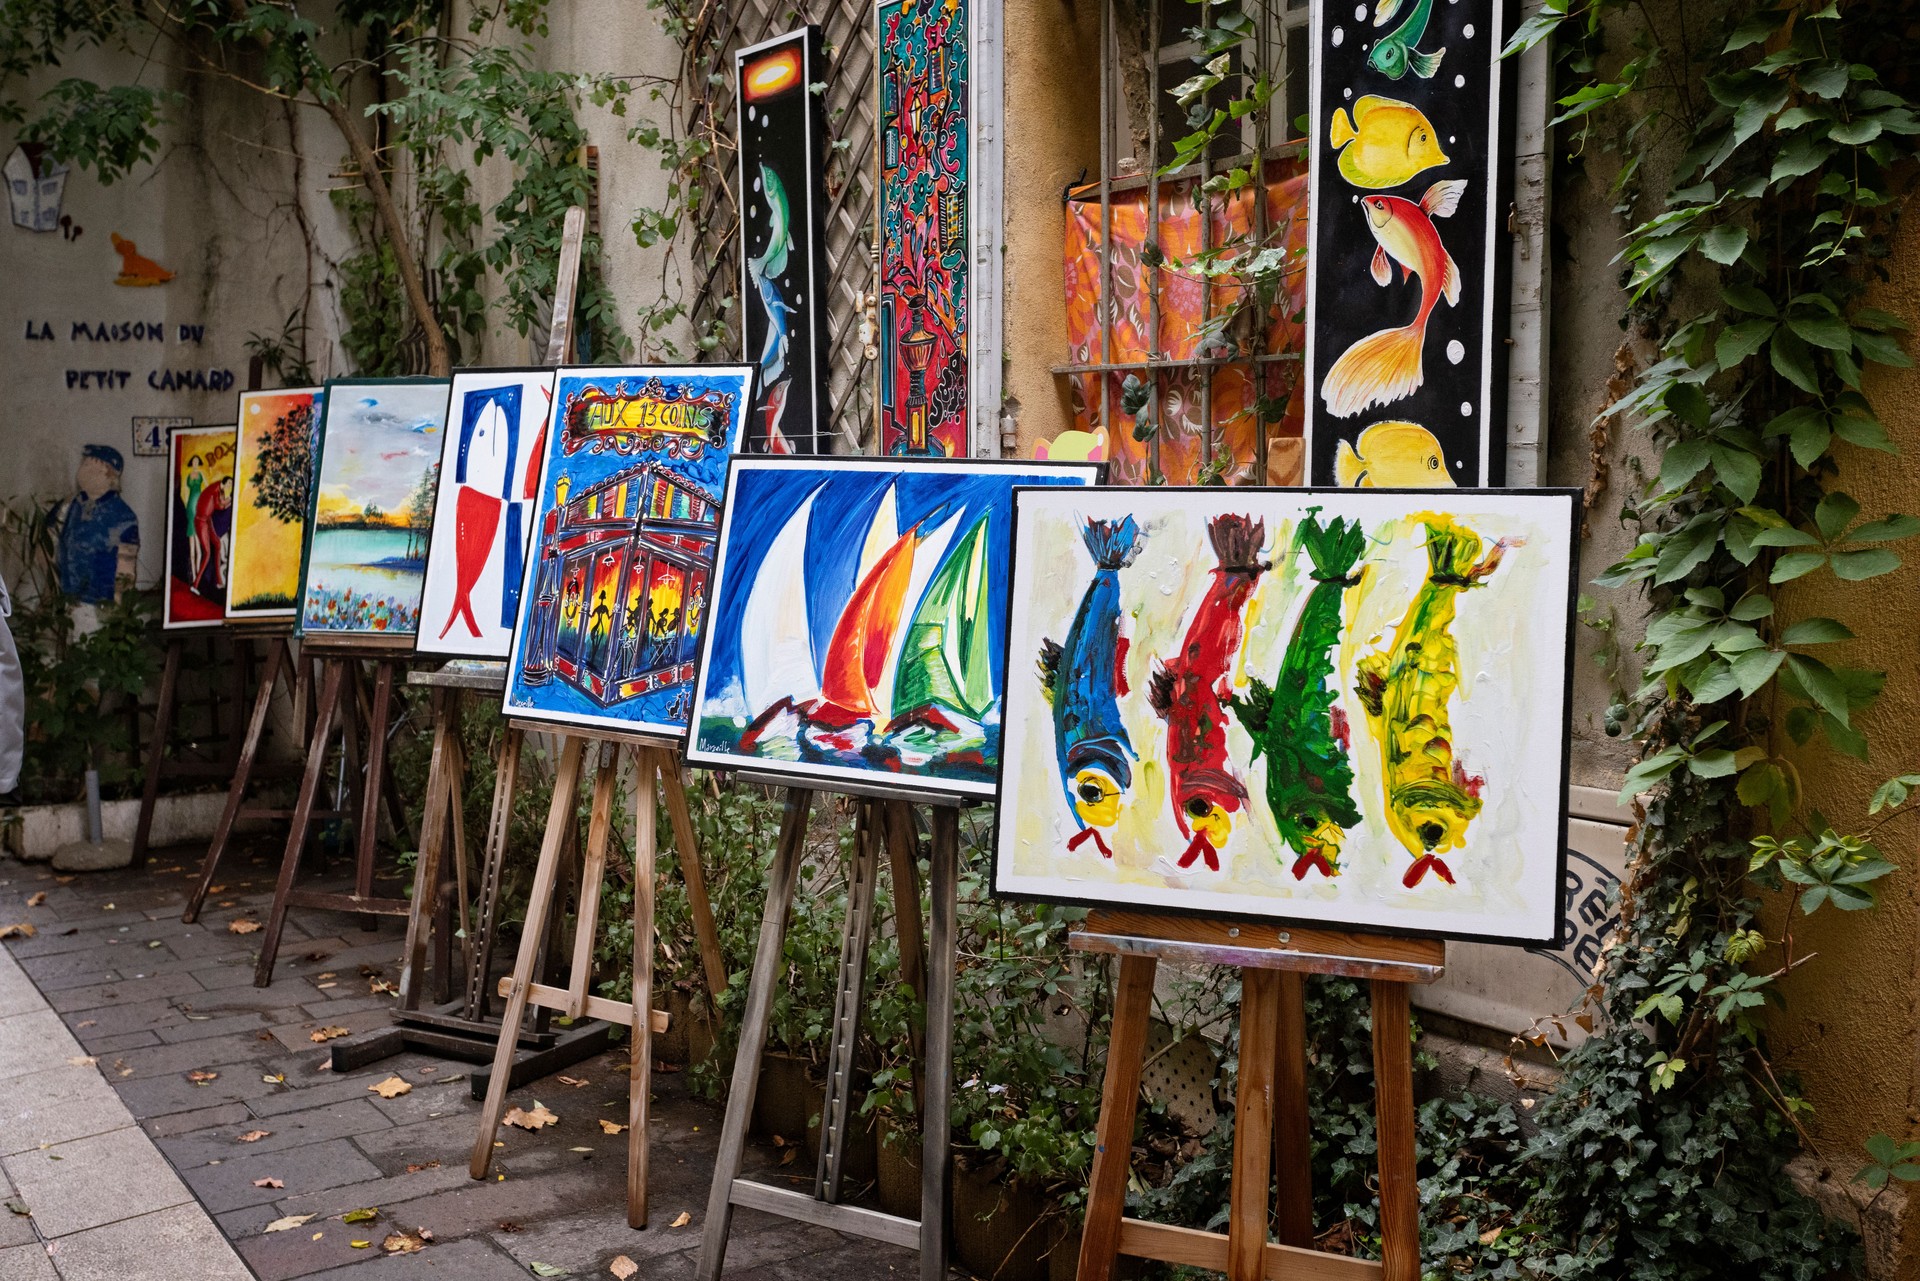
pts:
[766, 496]
[379, 439]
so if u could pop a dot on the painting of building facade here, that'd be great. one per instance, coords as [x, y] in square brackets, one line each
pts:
[199, 525]
[488, 480]
[376, 472]
[1322, 706]
[1410, 129]
[273, 469]
[924, 218]
[858, 608]
[614, 600]
[783, 239]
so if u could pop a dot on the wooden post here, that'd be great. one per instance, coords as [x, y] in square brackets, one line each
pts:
[1394, 1125]
[1253, 1125]
[903, 862]
[1113, 1132]
[433, 832]
[1292, 1131]
[279, 660]
[649, 764]
[329, 700]
[157, 749]
[587, 917]
[712, 963]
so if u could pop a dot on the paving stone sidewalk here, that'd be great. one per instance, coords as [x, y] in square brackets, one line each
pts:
[201, 1060]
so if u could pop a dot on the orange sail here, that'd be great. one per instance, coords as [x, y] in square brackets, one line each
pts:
[857, 655]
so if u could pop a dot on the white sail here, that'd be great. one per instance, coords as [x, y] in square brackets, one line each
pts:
[926, 560]
[776, 641]
[882, 534]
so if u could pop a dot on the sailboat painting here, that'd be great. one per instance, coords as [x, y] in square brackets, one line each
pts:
[858, 610]
[613, 601]
[483, 513]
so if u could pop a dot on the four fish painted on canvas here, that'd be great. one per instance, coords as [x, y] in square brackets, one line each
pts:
[1314, 705]
[1406, 351]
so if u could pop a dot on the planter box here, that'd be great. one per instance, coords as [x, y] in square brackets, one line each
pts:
[39, 830]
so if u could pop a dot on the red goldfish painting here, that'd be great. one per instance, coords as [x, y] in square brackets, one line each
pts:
[1384, 367]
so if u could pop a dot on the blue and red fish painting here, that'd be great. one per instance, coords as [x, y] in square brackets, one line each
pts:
[613, 599]
[858, 606]
[1333, 706]
[483, 512]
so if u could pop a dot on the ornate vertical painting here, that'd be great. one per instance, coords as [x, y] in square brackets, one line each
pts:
[924, 157]
[1321, 706]
[614, 601]
[375, 473]
[783, 238]
[272, 471]
[483, 513]
[1410, 130]
[199, 525]
[858, 608]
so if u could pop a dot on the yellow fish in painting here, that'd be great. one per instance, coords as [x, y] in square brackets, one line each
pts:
[1385, 144]
[1391, 455]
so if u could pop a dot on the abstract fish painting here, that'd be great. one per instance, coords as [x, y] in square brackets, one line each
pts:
[483, 512]
[199, 526]
[858, 606]
[272, 472]
[1336, 707]
[614, 597]
[375, 471]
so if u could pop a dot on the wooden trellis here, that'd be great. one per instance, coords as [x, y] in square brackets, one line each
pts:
[728, 25]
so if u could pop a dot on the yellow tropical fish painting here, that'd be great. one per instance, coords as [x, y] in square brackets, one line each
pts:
[1385, 143]
[1405, 690]
[1391, 455]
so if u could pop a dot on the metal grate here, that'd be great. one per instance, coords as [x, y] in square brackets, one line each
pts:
[850, 109]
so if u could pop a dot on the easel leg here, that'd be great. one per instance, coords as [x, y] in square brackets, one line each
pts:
[850, 990]
[649, 766]
[1292, 1139]
[566, 785]
[903, 863]
[1253, 1125]
[712, 964]
[936, 1142]
[426, 872]
[480, 953]
[591, 875]
[1394, 1123]
[157, 750]
[1113, 1136]
[753, 1032]
[237, 791]
[368, 834]
[302, 817]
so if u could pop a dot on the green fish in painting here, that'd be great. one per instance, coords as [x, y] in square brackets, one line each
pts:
[1296, 723]
[1396, 53]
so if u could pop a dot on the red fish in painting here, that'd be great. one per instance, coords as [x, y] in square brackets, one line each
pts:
[1189, 692]
[1384, 367]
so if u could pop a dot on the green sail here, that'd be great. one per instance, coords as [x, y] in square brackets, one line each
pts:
[944, 658]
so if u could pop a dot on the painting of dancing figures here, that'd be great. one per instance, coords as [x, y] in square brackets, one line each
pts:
[199, 526]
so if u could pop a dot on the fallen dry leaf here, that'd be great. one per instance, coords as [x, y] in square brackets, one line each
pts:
[82, 1060]
[622, 1267]
[391, 1088]
[326, 1033]
[1489, 1237]
[86, 1023]
[403, 1243]
[681, 1222]
[360, 1216]
[216, 889]
[268, 1183]
[289, 1223]
[376, 986]
[275, 1078]
[324, 986]
[329, 974]
[424, 1165]
[359, 1245]
[533, 1120]
[200, 1076]
[63, 880]
[316, 1236]
[242, 926]
[35, 900]
[254, 1136]
[509, 1226]
[574, 1081]
[610, 1127]
[19, 930]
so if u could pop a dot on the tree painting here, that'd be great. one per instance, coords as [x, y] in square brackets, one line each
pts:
[285, 465]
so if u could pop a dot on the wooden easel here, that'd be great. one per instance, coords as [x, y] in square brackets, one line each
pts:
[655, 765]
[160, 761]
[340, 669]
[889, 824]
[1271, 1132]
[283, 669]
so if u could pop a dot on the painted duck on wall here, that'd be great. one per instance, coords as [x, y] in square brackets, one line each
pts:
[1406, 690]
[1189, 691]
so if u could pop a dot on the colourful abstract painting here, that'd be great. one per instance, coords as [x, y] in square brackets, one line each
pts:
[1316, 705]
[483, 514]
[199, 525]
[1410, 130]
[783, 238]
[272, 470]
[375, 473]
[614, 602]
[924, 216]
[858, 608]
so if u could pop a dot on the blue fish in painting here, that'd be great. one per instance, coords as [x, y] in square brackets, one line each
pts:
[1084, 680]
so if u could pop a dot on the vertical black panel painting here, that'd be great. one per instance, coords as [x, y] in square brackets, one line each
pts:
[1410, 128]
[783, 242]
